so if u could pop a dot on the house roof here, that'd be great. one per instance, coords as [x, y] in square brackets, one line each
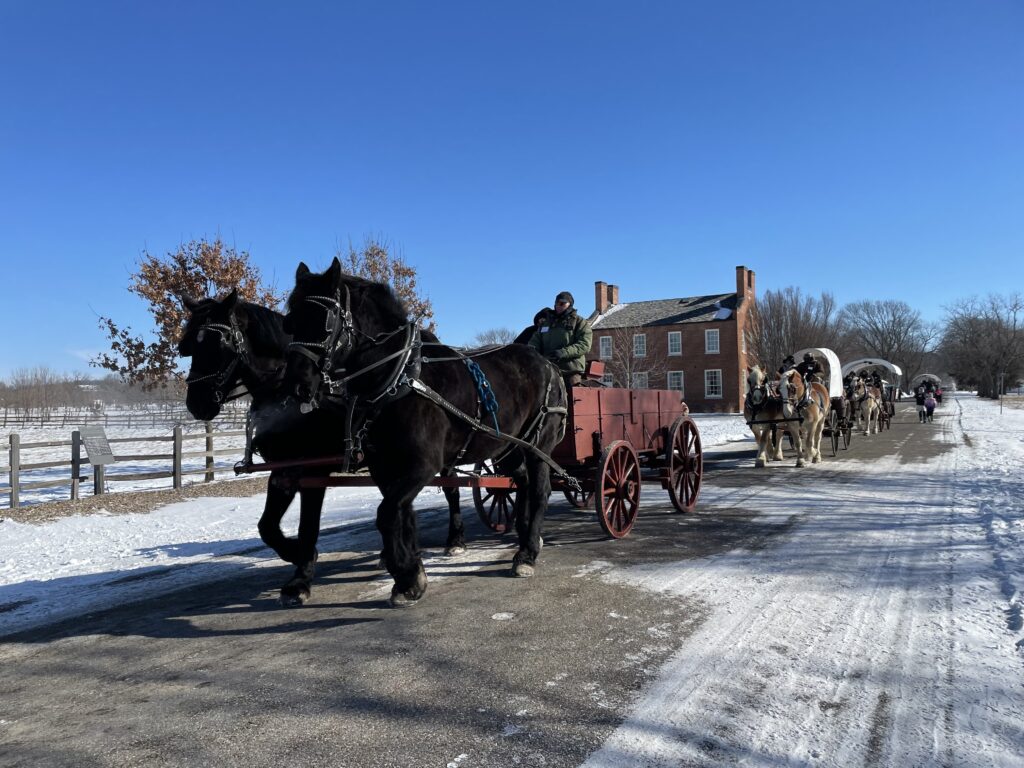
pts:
[637, 314]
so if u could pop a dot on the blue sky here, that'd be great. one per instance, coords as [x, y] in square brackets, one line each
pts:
[509, 150]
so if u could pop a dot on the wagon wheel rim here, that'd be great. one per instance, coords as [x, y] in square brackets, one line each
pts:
[578, 499]
[833, 428]
[618, 489]
[496, 507]
[685, 465]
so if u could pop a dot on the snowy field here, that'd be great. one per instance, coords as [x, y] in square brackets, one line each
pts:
[137, 446]
[885, 628]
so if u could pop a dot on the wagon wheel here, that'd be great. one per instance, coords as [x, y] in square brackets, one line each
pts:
[685, 464]
[848, 423]
[495, 506]
[833, 430]
[579, 499]
[618, 488]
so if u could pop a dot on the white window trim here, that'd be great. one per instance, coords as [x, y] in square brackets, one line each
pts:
[718, 341]
[682, 382]
[678, 335]
[721, 384]
[647, 380]
[640, 336]
[608, 379]
[600, 348]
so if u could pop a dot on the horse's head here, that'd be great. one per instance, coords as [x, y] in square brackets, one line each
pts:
[791, 388]
[320, 321]
[757, 389]
[214, 338]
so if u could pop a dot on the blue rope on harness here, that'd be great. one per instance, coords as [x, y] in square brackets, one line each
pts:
[483, 388]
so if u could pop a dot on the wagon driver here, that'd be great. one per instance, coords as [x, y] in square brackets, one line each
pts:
[564, 338]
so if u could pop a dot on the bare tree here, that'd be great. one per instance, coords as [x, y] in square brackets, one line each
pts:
[891, 330]
[494, 336]
[197, 269]
[983, 342]
[786, 320]
[376, 262]
[627, 366]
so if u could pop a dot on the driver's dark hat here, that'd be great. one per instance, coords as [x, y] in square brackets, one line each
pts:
[808, 356]
[564, 296]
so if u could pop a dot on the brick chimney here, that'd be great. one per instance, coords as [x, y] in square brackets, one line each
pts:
[744, 284]
[605, 296]
[600, 296]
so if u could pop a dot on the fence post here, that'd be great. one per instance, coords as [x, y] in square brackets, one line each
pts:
[209, 452]
[98, 480]
[76, 462]
[176, 471]
[15, 465]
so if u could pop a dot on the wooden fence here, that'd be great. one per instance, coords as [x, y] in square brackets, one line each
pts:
[143, 417]
[78, 462]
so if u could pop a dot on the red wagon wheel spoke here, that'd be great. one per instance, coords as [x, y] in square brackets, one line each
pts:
[495, 506]
[618, 489]
[685, 464]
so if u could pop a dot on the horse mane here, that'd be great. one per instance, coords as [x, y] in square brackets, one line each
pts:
[265, 329]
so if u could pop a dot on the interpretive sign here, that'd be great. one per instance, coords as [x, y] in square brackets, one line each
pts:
[96, 446]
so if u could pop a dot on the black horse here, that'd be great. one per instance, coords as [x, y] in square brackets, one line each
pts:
[420, 409]
[235, 345]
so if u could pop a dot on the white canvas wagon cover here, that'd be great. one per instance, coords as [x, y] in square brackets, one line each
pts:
[868, 362]
[832, 366]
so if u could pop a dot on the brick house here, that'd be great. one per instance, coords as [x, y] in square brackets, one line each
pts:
[696, 345]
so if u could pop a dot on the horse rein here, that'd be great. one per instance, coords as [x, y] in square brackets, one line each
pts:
[231, 337]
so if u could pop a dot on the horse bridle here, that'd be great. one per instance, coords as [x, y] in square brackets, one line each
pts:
[230, 336]
[340, 343]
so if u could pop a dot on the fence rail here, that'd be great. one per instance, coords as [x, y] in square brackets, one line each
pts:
[77, 462]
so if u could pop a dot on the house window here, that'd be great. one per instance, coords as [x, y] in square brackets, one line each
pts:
[675, 342]
[711, 341]
[608, 380]
[713, 384]
[604, 344]
[675, 381]
[639, 345]
[640, 380]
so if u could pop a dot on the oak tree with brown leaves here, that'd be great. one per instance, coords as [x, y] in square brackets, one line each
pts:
[198, 269]
[376, 262]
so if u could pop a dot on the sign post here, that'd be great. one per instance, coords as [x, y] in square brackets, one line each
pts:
[97, 448]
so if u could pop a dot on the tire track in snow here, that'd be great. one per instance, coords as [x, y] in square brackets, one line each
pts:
[815, 645]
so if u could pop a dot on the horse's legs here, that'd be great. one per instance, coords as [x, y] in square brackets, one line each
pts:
[396, 521]
[538, 489]
[456, 542]
[278, 499]
[297, 590]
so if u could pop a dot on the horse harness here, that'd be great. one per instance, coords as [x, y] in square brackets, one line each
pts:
[403, 379]
[232, 337]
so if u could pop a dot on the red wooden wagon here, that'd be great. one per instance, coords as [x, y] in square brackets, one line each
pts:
[615, 439]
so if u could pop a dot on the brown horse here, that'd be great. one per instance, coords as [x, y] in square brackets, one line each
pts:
[762, 410]
[866, 402]
[810, 404]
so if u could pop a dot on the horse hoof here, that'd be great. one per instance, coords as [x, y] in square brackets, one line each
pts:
[293, 597]
[458, 549]
[760, 463]
[522, 570]
[402, 600]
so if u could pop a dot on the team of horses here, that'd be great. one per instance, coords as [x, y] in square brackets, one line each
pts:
[347, 373]
[787, 405]
[800, 409]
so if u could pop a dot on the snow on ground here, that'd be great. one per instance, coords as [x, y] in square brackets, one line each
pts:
[53, 570]
[885, 626]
